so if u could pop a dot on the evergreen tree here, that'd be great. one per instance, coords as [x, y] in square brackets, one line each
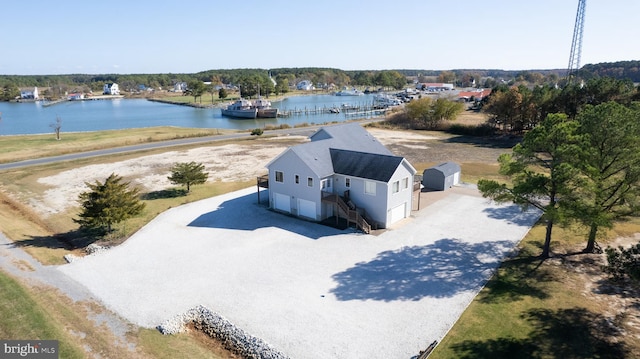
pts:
[188, 174]
[108, 203]
[539, 171]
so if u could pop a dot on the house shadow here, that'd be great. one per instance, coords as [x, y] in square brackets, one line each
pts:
[246, 214]
[562, 333]
[514, 214]
[439, 270]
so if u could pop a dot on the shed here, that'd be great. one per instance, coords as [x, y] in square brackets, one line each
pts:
[442, 176]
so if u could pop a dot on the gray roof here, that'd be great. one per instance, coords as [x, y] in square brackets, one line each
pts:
[364, 165]
[351, 137]
[446, 168]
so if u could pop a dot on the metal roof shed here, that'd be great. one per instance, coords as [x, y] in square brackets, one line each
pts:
[442, 176]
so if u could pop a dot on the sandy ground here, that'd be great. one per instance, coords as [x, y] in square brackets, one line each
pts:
[233, 162]
[309, 290]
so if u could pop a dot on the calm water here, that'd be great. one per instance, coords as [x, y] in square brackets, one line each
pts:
[33, 118]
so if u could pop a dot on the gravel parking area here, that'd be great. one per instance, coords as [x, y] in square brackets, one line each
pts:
[308, 290]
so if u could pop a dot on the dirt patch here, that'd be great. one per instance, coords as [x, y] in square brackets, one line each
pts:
[619, 302]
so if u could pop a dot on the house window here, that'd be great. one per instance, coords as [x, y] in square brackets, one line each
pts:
[279, 176]
[309, 181]
[297, 179]
[326, 183]
[347, 182]
[370, 187]
[405, 183]
[395, 187]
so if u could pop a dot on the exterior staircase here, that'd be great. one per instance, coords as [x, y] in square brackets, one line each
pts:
[346, 212]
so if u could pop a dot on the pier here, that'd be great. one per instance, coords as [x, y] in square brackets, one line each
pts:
[90, 98]
[347, 110]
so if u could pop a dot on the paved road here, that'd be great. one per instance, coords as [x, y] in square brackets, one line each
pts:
[303, 131]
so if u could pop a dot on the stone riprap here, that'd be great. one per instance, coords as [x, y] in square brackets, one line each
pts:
[215, 326]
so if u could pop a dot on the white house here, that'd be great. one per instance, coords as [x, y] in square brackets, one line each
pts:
[30, 94]
[111, 89]
[305, 85]
[343, 172]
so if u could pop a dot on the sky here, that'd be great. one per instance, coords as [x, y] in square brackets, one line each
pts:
[43, 37]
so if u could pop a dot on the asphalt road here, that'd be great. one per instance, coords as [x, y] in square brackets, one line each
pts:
[303, 131]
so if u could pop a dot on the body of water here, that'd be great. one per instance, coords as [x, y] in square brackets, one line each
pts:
[34, 118]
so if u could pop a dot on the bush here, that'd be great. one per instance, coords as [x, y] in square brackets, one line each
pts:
[484, 129]
[622, 263]
[257, 132]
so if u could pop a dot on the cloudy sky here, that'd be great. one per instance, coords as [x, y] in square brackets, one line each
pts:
[168, 36]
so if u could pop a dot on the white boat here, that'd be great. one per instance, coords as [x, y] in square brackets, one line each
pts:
[384, 100]
[264, 108]
[241, 109]
[346, 92]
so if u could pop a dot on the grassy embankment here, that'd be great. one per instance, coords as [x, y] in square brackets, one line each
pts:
[28, 312]
[24, 147]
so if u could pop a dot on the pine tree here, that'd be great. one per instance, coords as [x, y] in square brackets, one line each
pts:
[187, 174]
[108, 203]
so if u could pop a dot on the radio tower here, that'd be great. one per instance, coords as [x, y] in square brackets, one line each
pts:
[576, 42]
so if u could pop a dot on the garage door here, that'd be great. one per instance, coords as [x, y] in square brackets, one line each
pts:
[282, 202]
[397, 213]
[306, 208]
[456, 178]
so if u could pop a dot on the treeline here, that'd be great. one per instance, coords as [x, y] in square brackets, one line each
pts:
[618, 70]
[516, 109]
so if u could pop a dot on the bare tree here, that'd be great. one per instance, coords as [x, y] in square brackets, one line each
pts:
[57, 126]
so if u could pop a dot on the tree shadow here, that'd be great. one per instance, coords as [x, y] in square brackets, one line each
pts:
[165, 193]
[514, 214]
[499, 142]
[562, 333]
[442, 269]
[244, 213]
[517, 278]
[69, 240]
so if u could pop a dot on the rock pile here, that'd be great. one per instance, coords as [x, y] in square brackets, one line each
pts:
[215, 326]
[90, 249]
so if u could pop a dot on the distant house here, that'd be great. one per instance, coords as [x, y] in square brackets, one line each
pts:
[434, 86]
[475, 95]
[442, 176]
[75, 96]
[111, 89]
[305, 85]
[179, 87]
[29, 94]
[343, 172]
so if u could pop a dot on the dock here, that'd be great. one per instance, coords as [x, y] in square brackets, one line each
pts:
[90, 98]
[350, 111]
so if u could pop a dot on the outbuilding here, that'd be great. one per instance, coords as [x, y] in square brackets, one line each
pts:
[442, 176]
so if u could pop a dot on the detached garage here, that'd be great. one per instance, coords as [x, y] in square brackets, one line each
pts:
[442, 176]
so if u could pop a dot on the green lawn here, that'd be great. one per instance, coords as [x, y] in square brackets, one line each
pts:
[536, 309]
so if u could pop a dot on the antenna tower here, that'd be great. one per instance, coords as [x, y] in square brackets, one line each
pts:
[576, 42]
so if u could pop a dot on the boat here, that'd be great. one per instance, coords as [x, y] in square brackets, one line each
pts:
[383, 100]
[264, 108]
[241, 109]
[346, 92]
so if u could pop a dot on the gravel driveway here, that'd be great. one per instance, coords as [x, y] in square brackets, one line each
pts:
[310, 291]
